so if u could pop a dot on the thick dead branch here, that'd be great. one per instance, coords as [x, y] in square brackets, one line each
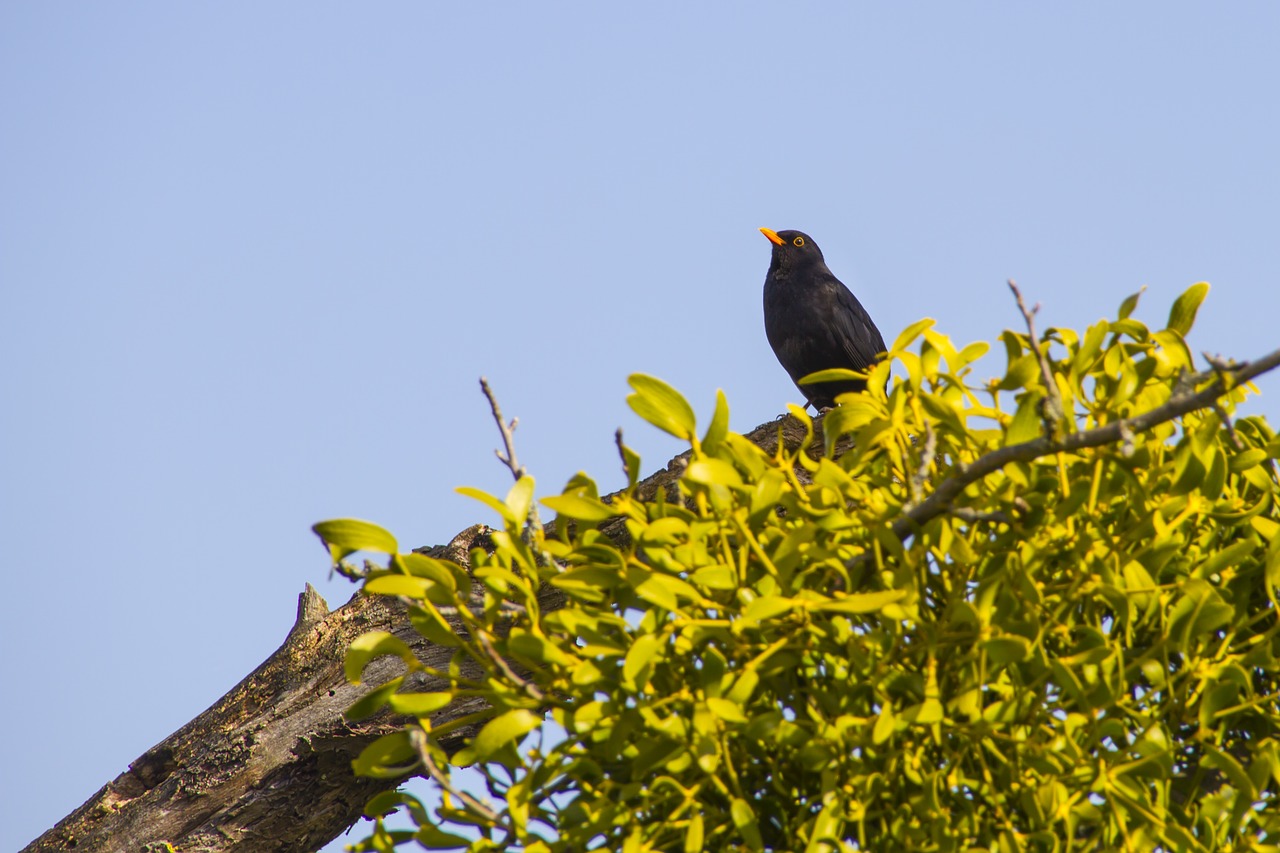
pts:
[268, 767]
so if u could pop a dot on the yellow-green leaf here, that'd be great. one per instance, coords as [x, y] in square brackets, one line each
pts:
[1183, 313]
[860, 602]
[885, 725]
[640, 659]
[1026, 424]
[716, 577]
[520, 498]
[373, 701]
[832, 374]
[1023, 369]
[766, 607]
[693, 835]
[502, 730]
[422, 566]
[910, 333]
[1007, 649]
[726, 710]
[407, 585]
[660, 589]
[580, 507]
[745, 821]
[719, 424]
[374, 644]
[971, 353]
[419, 704]
[713, 472]
[387, 757]
[1246, 459]
[429, 622]
[345, 536]
[928, 712]
[661, 405]
[537, 648]
[665, 531]
[828, 826]
[1130, 302]
[490, 501]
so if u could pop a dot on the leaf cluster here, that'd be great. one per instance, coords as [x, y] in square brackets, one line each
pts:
[1077, 652]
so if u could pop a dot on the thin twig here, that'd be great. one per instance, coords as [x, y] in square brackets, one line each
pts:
[1236, 441]
[1220, 366]
[971, 515]
[1053, 413]
[1179, 404]
[507, 430]
[622, 454]
[1127, 446]
[509, 458]
[418, 739]
[527, 686]
[921, 476]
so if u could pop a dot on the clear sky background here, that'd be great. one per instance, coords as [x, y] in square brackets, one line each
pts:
[254, 257]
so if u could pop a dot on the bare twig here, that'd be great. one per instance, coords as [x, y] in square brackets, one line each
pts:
[622, 453]
[1221, 366]
[972, 515]
[418, 739]
[1179, 404]
[1236, 441]
[507, 430]
[1053, 413]
[525, 685]
[921, 476]
[509, 458]
[1127, 448]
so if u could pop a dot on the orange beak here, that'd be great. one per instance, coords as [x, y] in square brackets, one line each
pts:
[772, 235]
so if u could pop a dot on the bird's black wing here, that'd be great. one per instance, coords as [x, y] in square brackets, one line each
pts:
[858, 335]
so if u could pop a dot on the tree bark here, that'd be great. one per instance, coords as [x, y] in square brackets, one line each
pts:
[268, 766]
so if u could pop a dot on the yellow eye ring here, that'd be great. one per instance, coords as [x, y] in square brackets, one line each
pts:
[799, 241]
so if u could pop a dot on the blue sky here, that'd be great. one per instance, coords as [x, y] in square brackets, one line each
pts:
[254, 257]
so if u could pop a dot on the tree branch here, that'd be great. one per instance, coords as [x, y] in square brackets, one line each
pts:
[1122, 431]
[268, 766]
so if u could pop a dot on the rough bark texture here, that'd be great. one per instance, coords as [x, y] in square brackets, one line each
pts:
[268, 767]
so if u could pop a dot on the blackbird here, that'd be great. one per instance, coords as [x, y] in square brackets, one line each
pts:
[812, 320]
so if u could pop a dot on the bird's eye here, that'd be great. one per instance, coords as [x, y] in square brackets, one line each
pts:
[797, 242]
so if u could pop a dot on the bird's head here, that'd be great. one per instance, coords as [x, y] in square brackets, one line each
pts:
[792, 250]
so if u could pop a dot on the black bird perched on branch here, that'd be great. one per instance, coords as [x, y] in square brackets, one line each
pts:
[812, 320]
